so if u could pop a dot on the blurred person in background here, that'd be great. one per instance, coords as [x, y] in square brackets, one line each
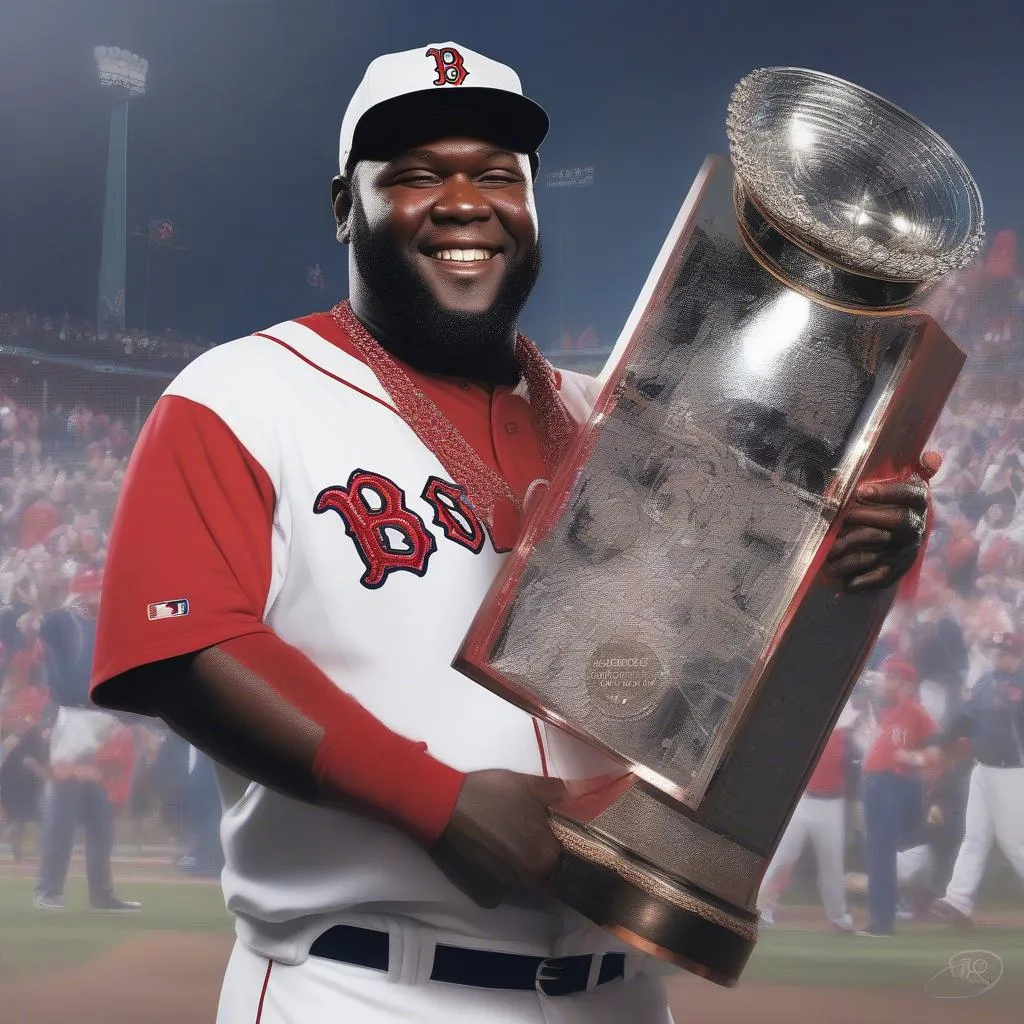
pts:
[992, 721]
[893, 793]
[82, 779]
[819, 818]
[24, 769]
[936, 647]
[201, 813]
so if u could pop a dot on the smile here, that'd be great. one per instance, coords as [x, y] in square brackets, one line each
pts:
[462, 255]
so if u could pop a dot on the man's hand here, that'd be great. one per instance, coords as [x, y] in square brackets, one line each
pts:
[883, 530]
[498, 840]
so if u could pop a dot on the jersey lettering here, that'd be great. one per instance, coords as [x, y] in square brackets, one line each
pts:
[453, 514]
[448, 64]
[371, 524]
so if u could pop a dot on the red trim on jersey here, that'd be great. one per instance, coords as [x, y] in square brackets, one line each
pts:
[360, 758]
[326, 373]
[263, 992]
[540, 747]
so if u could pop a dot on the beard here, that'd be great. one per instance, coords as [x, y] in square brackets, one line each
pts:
[428, 336]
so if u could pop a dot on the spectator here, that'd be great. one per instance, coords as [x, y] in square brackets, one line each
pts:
[893, 796]
[23, 773]
[993, 721]
[819, 817]
[80, 784]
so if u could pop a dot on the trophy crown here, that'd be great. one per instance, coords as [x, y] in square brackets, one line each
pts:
[852, 177]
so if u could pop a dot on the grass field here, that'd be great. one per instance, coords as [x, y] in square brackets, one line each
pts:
[906, 962]
[33, 941]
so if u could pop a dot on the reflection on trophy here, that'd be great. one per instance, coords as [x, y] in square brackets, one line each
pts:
[666, 603]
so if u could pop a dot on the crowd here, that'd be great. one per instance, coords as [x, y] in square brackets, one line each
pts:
[61, 763]
[65, 336]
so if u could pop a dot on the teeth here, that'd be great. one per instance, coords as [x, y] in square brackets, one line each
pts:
[462, 255]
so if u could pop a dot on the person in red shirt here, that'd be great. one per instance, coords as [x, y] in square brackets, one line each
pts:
[820, 818]
[904, 745]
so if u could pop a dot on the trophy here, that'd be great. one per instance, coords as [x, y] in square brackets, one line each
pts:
[666, 603]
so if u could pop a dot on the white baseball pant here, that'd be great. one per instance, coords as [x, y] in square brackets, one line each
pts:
[259, 991]
[995, 810]
[822, 821]
[913, 865]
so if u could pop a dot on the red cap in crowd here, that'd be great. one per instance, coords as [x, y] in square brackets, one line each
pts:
[86, 581]
[1012, 643]
[899, 667]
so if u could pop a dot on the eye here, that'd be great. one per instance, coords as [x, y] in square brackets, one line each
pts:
[417, 178]
[500, 177]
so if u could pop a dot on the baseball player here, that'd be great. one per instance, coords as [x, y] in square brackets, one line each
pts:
[311, 518]
[993, 721]
[819, 817]
[904, 744]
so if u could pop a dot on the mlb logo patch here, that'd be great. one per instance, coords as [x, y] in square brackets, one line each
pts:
[168, 609]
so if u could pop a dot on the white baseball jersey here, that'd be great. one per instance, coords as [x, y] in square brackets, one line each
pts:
[275, 486]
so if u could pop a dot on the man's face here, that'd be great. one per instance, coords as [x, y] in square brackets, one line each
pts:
[445, 237]
[894, 688]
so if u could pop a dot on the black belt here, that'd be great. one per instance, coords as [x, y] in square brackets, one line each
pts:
[478, 968]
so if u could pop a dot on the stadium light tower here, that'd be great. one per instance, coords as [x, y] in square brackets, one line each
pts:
[124, 74]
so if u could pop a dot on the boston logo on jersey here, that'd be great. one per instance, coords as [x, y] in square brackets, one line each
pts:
[375, 515]
[168, 609]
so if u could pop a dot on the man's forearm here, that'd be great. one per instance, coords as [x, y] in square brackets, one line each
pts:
[264, 710]
[228, 712]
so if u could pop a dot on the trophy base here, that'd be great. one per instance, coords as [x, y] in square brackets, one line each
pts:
[649, 910]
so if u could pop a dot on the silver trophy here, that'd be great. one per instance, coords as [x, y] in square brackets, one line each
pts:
[666, 603]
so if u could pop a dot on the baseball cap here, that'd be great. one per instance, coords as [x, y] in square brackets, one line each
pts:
[409, 97]
[900, 668]
[86, 581]
[1012, 643]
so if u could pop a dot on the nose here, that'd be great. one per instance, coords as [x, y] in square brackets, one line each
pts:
[461, 201]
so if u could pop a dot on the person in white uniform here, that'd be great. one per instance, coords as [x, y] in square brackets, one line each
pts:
[993, 721]
[820, 819]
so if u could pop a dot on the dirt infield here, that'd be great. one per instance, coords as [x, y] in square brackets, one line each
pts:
[174, 977]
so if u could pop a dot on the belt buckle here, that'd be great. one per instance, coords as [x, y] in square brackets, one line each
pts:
[563, 975]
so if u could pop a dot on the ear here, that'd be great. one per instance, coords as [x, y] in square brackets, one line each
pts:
[341, 201]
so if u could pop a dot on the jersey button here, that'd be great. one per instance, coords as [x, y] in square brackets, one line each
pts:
[511, 428]
[464, 385]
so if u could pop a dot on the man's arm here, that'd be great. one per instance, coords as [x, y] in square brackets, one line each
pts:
[487, 831]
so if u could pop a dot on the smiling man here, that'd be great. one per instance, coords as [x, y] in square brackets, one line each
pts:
[309, 523]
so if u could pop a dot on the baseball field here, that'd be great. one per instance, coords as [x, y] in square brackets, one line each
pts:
[163, 966]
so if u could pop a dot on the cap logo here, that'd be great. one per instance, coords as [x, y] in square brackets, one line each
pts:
[448, 65]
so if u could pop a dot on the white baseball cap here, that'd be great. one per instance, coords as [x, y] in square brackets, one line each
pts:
[407, 97]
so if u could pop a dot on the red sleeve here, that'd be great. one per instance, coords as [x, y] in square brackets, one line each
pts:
[193, 524]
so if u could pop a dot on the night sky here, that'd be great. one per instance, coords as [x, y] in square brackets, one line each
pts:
[236, 139]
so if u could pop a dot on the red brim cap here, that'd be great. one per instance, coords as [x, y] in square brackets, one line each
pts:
[901, 669]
